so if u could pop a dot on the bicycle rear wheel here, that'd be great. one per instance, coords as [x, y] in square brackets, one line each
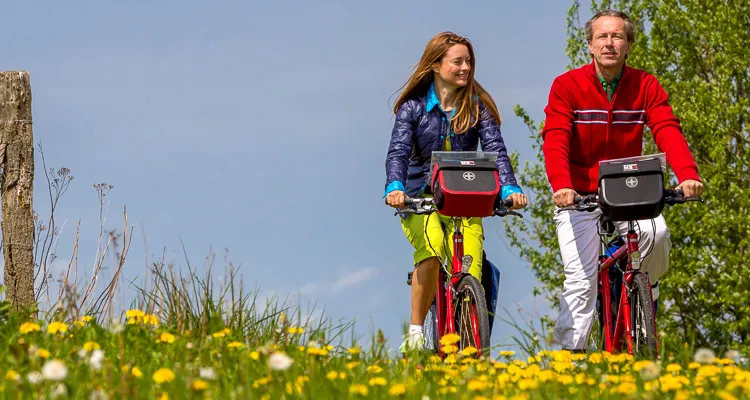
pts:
[644, 324]
[472, 320]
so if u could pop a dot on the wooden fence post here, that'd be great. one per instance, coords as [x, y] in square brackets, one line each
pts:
[16, 185]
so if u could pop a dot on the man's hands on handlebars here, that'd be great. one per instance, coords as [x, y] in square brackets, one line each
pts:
[691, 188]
[564, 197]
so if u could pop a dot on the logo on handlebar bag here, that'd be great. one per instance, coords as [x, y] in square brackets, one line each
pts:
[469, 176]
[631, 182]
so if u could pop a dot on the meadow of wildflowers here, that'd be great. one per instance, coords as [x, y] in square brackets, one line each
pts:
[144, 357]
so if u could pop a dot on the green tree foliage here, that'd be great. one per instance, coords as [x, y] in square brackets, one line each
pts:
[698, 49]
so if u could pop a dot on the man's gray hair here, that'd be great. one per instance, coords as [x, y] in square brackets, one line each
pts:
[630, 28]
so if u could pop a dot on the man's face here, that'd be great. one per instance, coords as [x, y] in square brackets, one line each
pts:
[609, 43]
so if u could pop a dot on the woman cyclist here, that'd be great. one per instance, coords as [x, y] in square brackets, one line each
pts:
[442, 108]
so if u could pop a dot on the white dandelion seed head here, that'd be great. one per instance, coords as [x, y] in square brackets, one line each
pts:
[97, 356]
[207, 373]
[704, 356]
[34, 377]
[59, 390]
[279, 361]
[54, 370]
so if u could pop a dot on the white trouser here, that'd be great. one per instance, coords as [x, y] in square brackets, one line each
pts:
[577, 234]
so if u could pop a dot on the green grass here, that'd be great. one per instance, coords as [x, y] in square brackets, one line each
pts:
[187, 339]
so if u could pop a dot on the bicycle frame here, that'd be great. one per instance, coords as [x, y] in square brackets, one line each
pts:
[625, 322]
[444, 298]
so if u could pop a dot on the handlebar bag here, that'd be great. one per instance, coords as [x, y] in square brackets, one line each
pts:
[465, 188]
[631, 190]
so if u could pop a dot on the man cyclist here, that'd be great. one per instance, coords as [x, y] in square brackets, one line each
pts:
[598, 112]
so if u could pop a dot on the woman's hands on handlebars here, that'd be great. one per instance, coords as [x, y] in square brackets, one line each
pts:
[519, 201]
[396, 199]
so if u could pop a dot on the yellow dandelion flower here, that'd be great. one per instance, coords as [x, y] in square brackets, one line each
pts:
[295, 330]
[222, 333]
[358, 389]
[448, 389]
[374, 369]
[328, 347]
[134, 313]
[136, 372]
[694, 365]
[163, 375]
[476, 385]
[261, 382]
[57, 327]
[42, 353]
[86, 318]
[674, 368]
[332, 375]
[342, 375]
[255, 355]
[378, 381]
[352, 364]
[235, 345]
[468, 351]
[450, 359]
[91, 346]
[397, 389]
[354, 350]
[152, 319]
[28, 327]
[314, 351]
[564, 379]
[199, 385]
[449, 349]
[507, 353]
[626, 388]
[166, 337]
[12, 375]
[450, 338]
[164, 396]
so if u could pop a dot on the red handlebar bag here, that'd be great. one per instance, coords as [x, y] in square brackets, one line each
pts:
[465, 188]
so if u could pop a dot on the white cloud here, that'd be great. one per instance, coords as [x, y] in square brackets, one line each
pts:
[342, 284]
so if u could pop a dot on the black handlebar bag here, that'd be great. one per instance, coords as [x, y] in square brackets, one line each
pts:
[631, 190]
[463, 188]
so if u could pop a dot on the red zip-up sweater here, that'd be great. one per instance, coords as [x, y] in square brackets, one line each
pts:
[583, 127]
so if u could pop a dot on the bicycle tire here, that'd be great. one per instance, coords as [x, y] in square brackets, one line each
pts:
[474, 331]
[431, 339]
[644, 340]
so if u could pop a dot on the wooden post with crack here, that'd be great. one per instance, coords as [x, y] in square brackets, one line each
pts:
[16, 188]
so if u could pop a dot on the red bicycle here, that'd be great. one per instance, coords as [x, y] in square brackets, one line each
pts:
[631, 316]
[460, 305]
[462, 184]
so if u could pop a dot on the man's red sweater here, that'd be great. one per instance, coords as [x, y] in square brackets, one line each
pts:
[583, 127]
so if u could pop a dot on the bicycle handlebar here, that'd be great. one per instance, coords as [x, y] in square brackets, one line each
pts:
[590, 202]
[424, 205]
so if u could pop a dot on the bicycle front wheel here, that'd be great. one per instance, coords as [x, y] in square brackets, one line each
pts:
[431, 334]
[472, 320]
[644, 323]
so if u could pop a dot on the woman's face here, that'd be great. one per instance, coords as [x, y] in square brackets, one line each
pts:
[453, 69]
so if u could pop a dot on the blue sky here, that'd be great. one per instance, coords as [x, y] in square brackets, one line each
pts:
[262, 128]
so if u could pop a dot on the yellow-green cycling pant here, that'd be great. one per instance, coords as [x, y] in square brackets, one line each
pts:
[435, 243]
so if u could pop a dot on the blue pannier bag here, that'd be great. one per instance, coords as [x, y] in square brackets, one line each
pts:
[491, 285]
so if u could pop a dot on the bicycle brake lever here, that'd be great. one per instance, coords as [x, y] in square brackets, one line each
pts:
[517, 214]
